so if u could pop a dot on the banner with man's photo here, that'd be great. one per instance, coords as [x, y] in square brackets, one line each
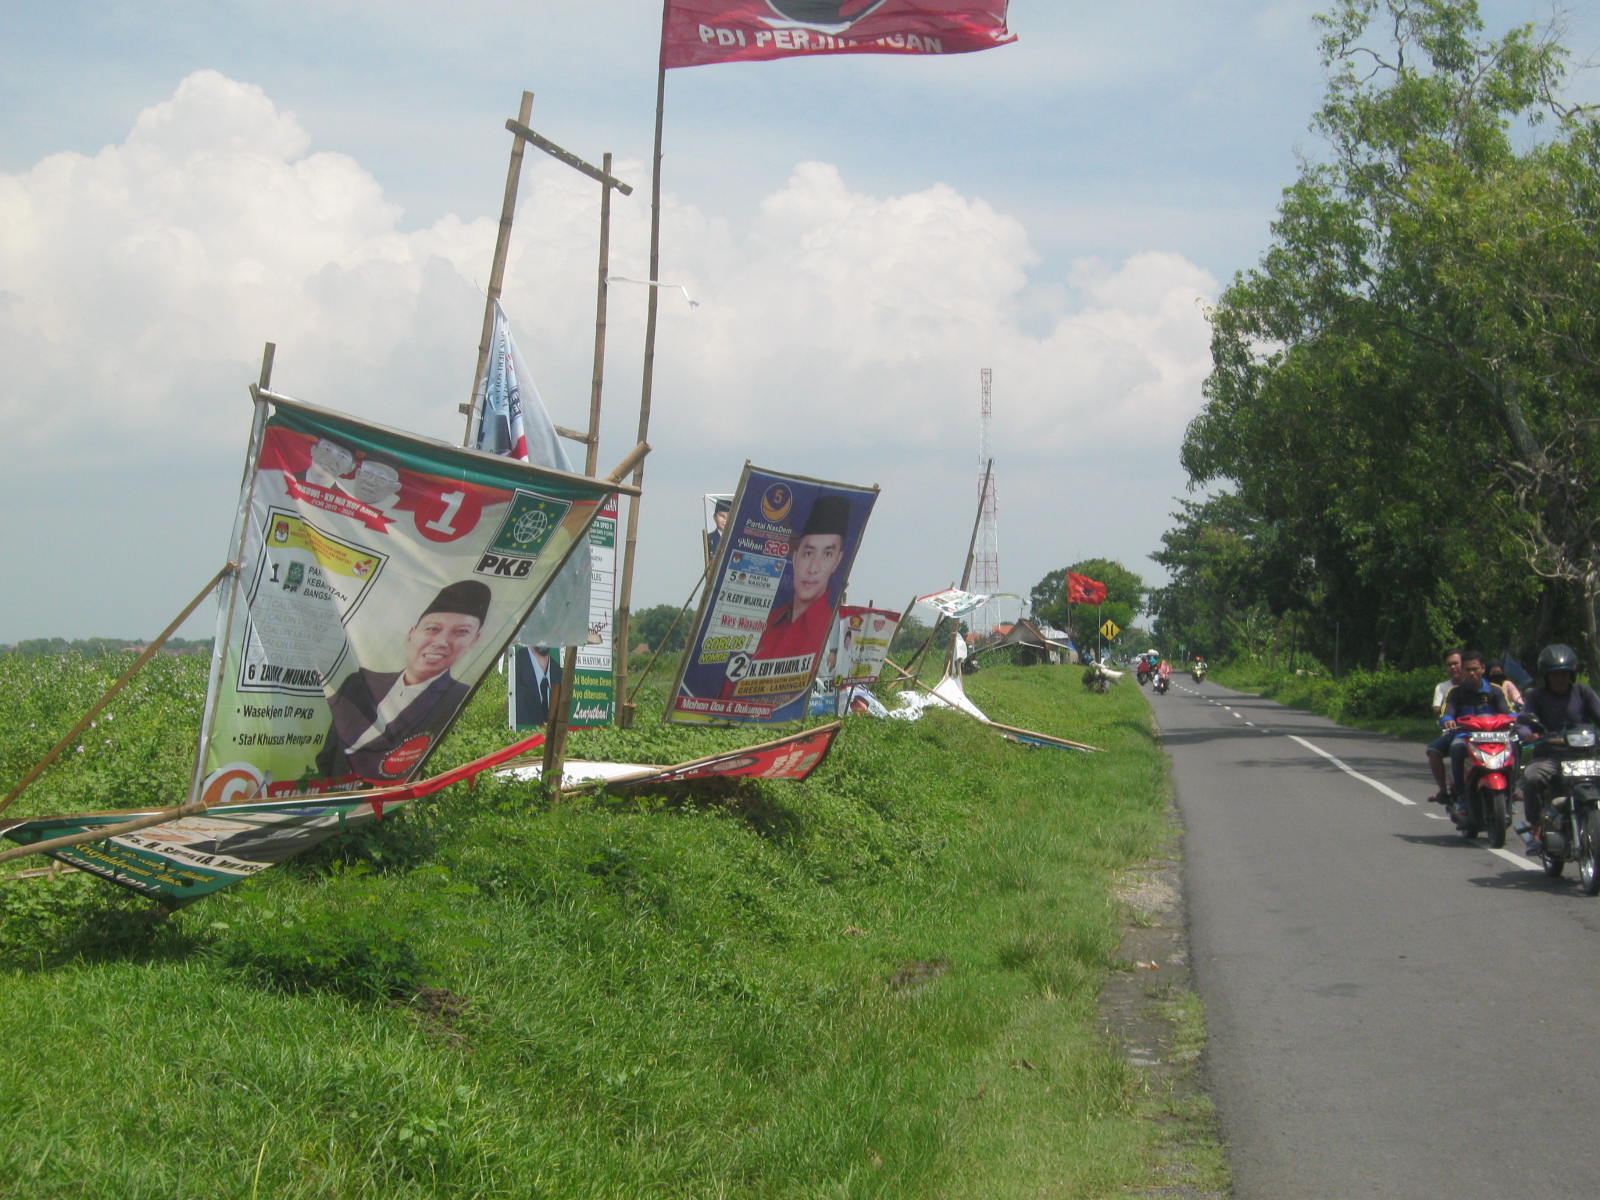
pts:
[855, 657]
[535, 671]
[381, 576]
[771, 600]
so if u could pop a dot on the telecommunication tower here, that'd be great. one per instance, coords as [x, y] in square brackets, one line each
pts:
[986, 553]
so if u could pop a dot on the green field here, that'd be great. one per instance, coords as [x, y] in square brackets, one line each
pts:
[881, 982]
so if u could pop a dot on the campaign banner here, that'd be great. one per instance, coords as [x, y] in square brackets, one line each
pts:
[535, 670]
[194, 856]
[773, 595]
[697, 32]
[717, 507]
[953, 602]
[594, 686]
[188, 857]
[381, 576]
[864, 637]
[855, 656]
[791, 758]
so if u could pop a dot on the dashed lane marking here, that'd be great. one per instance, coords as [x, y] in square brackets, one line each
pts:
[1349, 770]
[1510, 856]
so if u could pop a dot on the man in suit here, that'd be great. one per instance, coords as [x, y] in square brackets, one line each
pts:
[538, 674]
[384, 723]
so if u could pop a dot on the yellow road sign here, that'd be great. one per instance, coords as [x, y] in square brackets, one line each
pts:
[1110, 629]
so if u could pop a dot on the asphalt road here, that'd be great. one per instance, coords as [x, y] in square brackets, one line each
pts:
[1393, 1011]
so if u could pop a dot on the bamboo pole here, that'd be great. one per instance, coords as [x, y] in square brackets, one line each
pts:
[977, 522]
[630, 546]
[103, 832]
[555, 752]
[497, 273]
[150, 652]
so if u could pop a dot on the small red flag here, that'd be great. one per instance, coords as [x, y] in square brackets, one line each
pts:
[696, 32]
[1083, 590]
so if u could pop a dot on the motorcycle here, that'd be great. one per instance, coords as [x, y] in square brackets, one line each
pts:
[1160, 684]
[1144, 672]
[1198, 672]
[1486, 777]
[1571, 830]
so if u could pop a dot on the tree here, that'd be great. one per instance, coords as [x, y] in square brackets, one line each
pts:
[1403, 394]
[1125, 594]
[664, 628]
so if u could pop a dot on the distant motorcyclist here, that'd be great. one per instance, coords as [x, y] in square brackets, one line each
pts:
[1473, 696]
[1555, 702]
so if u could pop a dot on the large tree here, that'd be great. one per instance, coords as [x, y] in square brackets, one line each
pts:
[1125, 593]
[1403, 393]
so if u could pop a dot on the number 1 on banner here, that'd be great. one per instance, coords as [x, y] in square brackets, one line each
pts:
[452, 505]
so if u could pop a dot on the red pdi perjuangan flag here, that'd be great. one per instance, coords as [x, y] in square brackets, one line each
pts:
[696, 32]
[1083, 590]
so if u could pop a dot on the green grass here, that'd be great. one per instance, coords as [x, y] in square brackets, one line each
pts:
[880, 983]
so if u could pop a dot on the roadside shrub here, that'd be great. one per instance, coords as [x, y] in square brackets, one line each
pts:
[1375, 695]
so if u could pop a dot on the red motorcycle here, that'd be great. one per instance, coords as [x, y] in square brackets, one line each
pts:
[1487, 777]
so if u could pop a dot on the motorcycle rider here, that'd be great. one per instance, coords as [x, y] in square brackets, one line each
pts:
[1473, 696]
[1440, 745]
[1556, 701]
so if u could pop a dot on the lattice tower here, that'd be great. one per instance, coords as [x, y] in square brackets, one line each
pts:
[986, 550]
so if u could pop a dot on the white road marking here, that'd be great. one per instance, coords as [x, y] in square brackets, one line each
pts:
[1510, 856]
[1349, 770]
[1520, 860]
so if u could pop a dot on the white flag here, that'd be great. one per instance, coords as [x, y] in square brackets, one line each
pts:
[512, 421]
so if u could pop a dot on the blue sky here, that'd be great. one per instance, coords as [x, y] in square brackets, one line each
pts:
[183, 181]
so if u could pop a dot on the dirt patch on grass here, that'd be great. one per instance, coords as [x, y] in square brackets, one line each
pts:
[1148, 1007]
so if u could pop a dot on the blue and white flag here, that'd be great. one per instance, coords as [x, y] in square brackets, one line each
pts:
[512, 421]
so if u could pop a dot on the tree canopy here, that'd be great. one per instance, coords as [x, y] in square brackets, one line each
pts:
[1125, 595]
[1404, 404]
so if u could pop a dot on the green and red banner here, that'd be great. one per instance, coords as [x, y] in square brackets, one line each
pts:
[381, 576]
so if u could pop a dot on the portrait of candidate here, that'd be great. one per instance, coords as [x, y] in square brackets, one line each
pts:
[719, 525]
[377, 712]
[802, 624]
[537, 675]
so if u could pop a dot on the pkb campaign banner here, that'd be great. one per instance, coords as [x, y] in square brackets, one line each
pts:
[381, 576]
[773, 596]
[594, 689]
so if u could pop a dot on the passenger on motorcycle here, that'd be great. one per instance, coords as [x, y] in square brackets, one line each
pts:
[1556, 701]
[1440, 746]
[1473, 696]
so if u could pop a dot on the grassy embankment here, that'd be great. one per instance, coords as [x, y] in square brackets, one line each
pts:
[878, 983]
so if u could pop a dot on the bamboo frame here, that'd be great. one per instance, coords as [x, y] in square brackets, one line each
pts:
[561, 704]
[647, 381]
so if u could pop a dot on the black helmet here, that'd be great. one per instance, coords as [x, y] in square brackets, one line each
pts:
[1557, 657]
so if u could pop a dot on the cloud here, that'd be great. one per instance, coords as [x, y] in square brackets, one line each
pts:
[838, 332]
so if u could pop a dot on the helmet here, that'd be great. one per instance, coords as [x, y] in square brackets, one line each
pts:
[1557, 657]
